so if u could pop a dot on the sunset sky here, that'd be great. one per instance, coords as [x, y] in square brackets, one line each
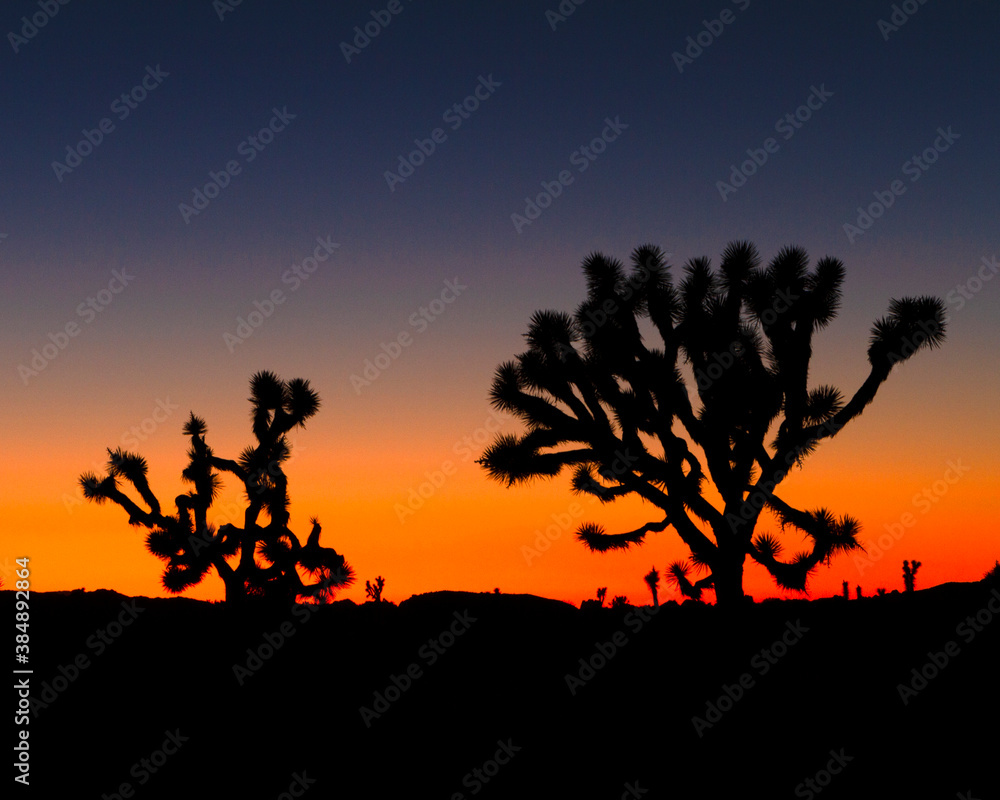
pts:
[218, 154]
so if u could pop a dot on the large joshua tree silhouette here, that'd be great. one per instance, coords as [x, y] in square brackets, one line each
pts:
[617, 411]
[191, 547]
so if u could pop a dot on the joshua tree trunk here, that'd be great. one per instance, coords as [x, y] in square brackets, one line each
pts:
[234, 594]
[232, 580]
[728, 576]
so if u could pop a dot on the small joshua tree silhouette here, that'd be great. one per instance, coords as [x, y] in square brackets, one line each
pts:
[652, 579]
[846, 593]
[374, 590]
[192, 547]
[601, 593]
[620, 601]
[909, 573]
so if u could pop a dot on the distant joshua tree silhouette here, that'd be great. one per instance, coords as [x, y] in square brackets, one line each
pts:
[192, 547]
[619, 601]
[910, 573]
[847, 594]
[590, 605]
[596, 398]
[652, 579]
[374, 590]
[857, 590]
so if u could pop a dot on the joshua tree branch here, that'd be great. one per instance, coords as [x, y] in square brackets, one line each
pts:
[861, 399]
[597, 540]
[137, 516]
[228, 465]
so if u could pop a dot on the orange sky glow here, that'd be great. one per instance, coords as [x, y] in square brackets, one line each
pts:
[411, 504]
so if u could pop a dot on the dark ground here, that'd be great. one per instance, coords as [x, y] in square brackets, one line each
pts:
[500, 683]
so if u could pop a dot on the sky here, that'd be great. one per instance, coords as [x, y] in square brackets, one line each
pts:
[377, 197]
